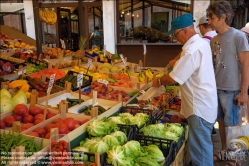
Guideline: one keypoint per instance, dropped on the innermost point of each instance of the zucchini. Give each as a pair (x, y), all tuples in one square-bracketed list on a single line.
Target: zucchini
[(83, 109), (74, 100), (100, 109)]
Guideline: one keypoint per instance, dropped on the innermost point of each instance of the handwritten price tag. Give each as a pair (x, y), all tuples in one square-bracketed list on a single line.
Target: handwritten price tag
[(122, 58), (51, 82), (89, 63), (63, 44), (144, 48), (79, 80), (103, 81)]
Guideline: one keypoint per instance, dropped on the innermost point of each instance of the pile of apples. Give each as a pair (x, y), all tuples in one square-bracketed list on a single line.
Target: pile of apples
[(29, 117), (64, 127), (3, 36)]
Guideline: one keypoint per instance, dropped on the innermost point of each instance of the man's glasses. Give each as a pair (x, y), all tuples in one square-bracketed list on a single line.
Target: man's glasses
[(175, 35)]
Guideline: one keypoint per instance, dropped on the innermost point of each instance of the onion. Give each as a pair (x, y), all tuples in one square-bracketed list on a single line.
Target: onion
[(8, 67)]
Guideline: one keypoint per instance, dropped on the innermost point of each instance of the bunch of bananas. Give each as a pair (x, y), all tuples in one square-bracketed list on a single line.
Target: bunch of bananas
[(160, 74), (141, 77), (149, 74), (48, 16), (126, 71)]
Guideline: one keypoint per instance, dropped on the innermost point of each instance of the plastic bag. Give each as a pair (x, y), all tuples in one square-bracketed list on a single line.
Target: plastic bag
[(152, 92)]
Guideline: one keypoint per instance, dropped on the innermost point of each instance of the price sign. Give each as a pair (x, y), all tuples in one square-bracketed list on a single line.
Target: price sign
[(51, 82), (142, 91), (89, 63), (102, 81), (104, 50), (63, 44), (122, 58), (79, 80), (144, 48)]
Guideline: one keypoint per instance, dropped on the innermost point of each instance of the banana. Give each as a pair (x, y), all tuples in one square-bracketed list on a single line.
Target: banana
[(150, 73), (150, 76), (160, 74)]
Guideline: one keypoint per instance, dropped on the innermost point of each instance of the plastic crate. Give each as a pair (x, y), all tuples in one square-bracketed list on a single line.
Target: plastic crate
[(179, 143), (124, 128), (36, 62), (166, 146), (73, 80)]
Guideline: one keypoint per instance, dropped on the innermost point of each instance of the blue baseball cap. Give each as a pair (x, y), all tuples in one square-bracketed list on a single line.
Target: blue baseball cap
[(181, 22)]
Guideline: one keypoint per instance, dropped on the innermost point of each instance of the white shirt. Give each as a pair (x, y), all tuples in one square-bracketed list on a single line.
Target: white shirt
[(195, 74), (211, 34)]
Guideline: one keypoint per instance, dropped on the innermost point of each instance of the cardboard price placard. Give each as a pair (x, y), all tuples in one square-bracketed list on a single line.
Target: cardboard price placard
[(122, 58), (142, 91), (51, 82), (144, 48), (79, 80), (102, 81), (90, 62), (63, 44)]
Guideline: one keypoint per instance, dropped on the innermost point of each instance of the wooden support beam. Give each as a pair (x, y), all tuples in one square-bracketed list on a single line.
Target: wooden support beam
[(38, 27)]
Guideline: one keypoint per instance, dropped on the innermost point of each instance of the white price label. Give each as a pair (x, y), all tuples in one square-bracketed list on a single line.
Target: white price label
[(89, 63), (144, 48), (51, 82), (102, 81), (122, 58), (104, 50), (79, 80), (63, 44), (142, 91)]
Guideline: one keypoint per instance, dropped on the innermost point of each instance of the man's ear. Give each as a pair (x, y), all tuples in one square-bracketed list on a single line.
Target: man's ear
[(223, 17)]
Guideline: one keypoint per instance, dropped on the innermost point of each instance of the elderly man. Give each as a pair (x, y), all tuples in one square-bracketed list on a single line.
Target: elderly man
[(195, 74)]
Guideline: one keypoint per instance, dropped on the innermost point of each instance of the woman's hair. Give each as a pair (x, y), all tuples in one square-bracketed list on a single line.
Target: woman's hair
[(222, 7)]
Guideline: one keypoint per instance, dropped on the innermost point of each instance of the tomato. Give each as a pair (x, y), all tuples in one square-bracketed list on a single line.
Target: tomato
[(2, 124), (64, 144), (63, 129), (28, 119), (35, 110), (47, 136), (9, 120), (50, 126), (54, 144), (37, 121), (20, 109), (35, 134), (18, 117), (40, 131), (39, 117), (49, 115), (58, 120), (26, 126), (84, 121), (70, 123)]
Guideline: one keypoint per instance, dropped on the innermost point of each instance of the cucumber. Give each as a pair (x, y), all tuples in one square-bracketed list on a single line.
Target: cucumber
[(83, 109), (74, 100), (100, 109)]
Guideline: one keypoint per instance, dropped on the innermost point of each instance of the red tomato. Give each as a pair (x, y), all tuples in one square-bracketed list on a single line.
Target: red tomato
[(35, 110), (58, 120), (84, 121), (18, 117), (20, 109), (2, 124), (49, 115), (35, 134), (37, 121), (28, 119), (49, 126), (39, 117), (26, 126), (9, 120), (70, 123), (47, 136), (63, 129), (40, 131)]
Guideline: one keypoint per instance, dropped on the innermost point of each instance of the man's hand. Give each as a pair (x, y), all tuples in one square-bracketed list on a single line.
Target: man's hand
[(242, 98), (156, 83)]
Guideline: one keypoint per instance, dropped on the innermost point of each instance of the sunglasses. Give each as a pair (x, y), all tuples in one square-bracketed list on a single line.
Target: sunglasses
[(175, 35)]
